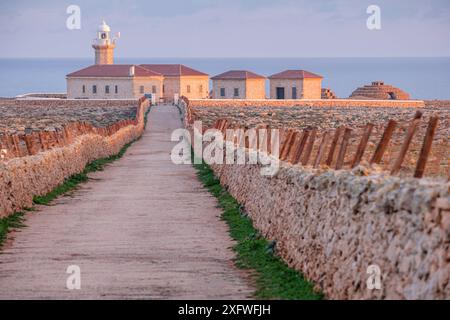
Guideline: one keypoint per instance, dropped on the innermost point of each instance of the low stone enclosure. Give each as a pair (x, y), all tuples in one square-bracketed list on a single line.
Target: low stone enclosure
[(339, 223), (33, 163), (379, 90)]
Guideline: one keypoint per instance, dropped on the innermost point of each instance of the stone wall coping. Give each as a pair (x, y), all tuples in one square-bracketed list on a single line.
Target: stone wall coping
[(308, 100)]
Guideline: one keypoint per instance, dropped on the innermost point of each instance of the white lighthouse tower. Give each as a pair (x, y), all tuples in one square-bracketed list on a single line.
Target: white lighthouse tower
[(104, 46)]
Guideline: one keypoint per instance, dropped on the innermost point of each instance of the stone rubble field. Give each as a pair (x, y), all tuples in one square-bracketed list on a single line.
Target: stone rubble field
[(320, 117), (24, 116), (329, 118)]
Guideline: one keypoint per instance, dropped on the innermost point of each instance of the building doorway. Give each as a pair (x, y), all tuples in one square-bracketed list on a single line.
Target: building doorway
[(280, 92)]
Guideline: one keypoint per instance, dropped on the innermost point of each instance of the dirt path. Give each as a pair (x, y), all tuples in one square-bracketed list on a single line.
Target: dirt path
[(145, 229)]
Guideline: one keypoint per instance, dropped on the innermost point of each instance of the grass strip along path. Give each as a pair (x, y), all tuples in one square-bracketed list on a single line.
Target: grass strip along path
[(274, 279)]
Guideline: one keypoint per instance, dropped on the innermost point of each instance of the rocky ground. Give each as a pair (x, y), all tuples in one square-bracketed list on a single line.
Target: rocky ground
[(323, 117), (49, 115), (326, 118)]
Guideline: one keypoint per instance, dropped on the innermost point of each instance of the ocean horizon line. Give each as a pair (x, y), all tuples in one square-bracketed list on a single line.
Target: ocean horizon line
[(293, 57), (422, 78)]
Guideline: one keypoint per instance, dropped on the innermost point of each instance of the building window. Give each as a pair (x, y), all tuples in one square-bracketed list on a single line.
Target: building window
[(188, 89), (94, 89), (294, 93), (153, 89), (116, 89), (84, 89), (164, 88), (200, 89), (107, 89), (222, 92), (236, 92), (141, 89)]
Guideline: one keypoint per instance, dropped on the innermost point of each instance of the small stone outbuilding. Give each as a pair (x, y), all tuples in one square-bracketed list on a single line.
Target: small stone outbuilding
[(239, 84), (295, 84), (379, 91)]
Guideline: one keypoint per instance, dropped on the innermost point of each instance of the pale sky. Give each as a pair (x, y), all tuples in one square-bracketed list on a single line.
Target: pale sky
[(229, 28)]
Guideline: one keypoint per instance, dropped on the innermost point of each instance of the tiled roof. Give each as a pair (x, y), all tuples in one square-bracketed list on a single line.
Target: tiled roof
[(173, 70), (237, 75), (113, 70), (294, 74)]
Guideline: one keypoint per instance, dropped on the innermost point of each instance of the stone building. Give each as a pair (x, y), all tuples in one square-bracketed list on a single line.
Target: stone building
[(379, 91), (295, 84), (113, 81), (239, 84), (106, 80), (181, 80)]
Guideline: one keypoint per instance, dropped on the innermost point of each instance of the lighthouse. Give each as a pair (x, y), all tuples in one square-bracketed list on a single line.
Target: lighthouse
[(106, 80), (103, 45)]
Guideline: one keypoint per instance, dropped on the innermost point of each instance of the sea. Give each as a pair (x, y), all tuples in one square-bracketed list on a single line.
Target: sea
[(422, 78)]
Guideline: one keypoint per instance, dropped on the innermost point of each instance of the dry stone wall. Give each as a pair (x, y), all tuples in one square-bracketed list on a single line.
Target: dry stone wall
[(24, 177), (332, 225)]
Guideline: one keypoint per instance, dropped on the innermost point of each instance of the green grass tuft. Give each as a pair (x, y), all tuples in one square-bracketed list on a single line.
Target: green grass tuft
[(13, 221), (274, 279), (73, 181)]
